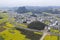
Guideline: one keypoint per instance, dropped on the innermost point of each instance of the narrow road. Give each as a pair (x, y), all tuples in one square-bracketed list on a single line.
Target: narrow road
[(43, 36)]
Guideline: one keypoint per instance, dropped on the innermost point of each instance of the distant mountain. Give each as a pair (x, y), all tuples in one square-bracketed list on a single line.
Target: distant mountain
[(49, 9), (34, 9), (22, 10), (8, 8)]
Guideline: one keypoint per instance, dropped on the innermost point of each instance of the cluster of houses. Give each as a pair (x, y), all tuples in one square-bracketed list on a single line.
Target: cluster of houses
[(28, 18)]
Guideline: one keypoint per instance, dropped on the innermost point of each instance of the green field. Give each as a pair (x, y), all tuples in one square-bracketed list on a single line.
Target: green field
[(8, 32)]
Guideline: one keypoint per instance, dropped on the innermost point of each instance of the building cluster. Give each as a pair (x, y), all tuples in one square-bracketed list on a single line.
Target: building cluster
[(28, 18)]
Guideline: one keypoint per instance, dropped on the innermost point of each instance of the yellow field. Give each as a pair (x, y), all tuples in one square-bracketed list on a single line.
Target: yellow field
[(10, 33), (51, 37)]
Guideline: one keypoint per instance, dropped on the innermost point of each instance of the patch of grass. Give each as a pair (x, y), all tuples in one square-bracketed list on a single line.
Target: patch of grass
[(1, 38), (51, 37)]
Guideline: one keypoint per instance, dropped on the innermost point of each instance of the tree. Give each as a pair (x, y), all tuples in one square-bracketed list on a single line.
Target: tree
[(4, 12), (1, 17)]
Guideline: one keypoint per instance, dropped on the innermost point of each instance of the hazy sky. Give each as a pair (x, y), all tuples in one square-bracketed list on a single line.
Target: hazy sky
[(12, 3)]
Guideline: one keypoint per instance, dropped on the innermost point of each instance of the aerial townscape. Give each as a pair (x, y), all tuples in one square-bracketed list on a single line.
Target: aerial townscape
[(30, 23)]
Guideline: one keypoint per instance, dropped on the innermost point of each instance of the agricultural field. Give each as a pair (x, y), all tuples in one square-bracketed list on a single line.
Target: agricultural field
[(8, 31)]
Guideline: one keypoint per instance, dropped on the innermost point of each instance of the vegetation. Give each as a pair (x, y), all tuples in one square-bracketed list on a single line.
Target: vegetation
[(8, 32), (1, 38), (12, 34), (51, 37), (37, 25), (4, 12), (47, 22)]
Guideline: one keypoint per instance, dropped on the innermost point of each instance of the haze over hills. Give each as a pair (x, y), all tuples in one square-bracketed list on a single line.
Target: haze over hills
[(38, 9), (34, 9)]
